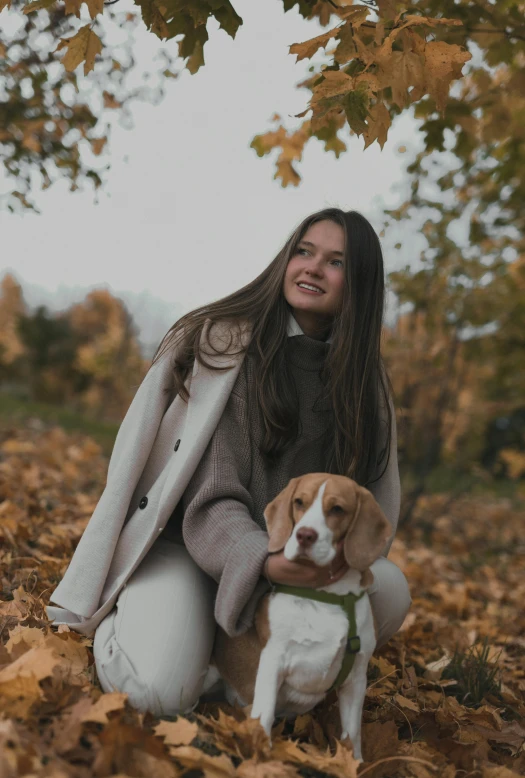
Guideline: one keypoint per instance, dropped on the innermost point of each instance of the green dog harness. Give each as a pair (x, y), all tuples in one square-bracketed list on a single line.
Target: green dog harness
[(347, 603)]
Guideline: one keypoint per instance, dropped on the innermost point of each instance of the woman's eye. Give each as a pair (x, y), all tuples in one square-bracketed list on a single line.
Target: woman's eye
[(306, 251)]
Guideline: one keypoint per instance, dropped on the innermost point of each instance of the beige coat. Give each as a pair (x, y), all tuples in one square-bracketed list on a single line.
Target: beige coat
[(157, 449)]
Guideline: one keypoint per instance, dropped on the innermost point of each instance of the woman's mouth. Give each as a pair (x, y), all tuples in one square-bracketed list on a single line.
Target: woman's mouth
[(307, 291)]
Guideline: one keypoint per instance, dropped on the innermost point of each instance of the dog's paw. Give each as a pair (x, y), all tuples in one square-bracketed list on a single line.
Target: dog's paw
[(212, 677), (265, 720), (347, 743)]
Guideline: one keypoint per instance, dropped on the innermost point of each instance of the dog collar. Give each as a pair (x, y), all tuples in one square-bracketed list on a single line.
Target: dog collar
[(347, 603)]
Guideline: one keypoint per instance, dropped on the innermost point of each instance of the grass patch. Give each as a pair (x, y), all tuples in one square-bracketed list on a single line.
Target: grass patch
[(445, 479), (476, 677), (14, 410)]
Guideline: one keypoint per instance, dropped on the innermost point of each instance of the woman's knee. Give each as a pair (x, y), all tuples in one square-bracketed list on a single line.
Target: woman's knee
[(156, 643), (390, 598), (162, 695), (178, 693)]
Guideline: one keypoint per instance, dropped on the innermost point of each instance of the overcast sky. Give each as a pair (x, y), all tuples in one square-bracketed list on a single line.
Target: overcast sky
[(189, 212)]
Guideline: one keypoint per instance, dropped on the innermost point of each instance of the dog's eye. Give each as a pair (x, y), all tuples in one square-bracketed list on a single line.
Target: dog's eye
[(337, 509), (298, 502)]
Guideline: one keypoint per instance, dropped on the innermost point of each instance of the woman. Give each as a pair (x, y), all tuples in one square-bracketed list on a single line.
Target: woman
[(311, 395)]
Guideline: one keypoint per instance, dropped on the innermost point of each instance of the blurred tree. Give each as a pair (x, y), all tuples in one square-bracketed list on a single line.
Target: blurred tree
[(12, 306), (458, 354), (108, 351), (87, 357), (503, 435), (470, 177), (48, 366), (45, 123)]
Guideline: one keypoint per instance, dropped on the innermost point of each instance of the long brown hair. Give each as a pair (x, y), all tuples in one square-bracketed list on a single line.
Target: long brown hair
[(353, 373)]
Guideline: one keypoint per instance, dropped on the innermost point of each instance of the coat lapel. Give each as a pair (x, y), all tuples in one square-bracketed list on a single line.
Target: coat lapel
[(210, 391), (80, 588), (119, 533)]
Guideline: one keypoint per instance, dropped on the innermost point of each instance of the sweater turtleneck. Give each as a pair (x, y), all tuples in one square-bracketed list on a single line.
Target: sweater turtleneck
[(306, 353)]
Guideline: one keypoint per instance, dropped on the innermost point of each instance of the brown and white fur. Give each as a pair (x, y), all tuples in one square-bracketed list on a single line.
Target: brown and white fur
[(286, 662)]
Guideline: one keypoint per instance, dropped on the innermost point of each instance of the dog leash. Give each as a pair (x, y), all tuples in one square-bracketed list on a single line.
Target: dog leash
[(347, 603)]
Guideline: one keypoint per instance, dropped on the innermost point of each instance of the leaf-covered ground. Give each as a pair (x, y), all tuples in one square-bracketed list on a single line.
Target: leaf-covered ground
[(427, 712)]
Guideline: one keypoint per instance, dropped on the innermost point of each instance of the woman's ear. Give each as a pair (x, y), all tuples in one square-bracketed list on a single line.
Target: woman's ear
[(368, 533), (279, 517)]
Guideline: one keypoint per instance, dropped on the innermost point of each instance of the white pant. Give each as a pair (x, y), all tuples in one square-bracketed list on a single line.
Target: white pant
[(155, 644)]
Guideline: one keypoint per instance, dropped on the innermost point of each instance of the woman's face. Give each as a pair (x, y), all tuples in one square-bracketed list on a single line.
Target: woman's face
[(319, 261)]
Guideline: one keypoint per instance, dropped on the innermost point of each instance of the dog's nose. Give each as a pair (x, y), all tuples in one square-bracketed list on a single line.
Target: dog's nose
[(306, 536)]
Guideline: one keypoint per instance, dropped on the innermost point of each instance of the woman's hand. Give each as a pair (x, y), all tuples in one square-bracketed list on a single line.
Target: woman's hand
[(303, 572)]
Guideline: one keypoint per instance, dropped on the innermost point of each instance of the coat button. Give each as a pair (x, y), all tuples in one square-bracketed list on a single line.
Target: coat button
[(143, 502), (177, 444)]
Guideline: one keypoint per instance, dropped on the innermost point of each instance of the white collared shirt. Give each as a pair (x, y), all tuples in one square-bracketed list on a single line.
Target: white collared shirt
[(295, 329)]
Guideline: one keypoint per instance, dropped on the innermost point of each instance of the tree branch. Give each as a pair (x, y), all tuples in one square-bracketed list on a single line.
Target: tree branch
[(454, 29)]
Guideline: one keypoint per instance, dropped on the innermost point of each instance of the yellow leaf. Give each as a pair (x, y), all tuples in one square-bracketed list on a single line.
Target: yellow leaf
[(355, 15), (245, 739), (18, 694), (82, 47), (334, 82), (342, 764), (401, 70), (378, 121), (307, 49), (104, 705), (38, 662), (21, 639), (177, 733), (95, 7), (386, 668), (287, 173), (73, 7), (443, 64)]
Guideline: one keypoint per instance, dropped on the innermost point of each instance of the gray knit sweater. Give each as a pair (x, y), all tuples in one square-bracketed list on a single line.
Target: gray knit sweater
[(224, 528)]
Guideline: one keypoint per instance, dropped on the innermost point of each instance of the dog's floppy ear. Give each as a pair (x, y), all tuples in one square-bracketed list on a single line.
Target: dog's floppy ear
[(367, 579), (279, 517), (368, 533)]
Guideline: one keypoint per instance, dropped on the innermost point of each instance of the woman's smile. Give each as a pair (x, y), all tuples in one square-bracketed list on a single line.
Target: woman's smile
[(308, 291)]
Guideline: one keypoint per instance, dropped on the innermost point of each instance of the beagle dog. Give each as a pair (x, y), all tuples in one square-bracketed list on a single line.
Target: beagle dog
[(294, 651)]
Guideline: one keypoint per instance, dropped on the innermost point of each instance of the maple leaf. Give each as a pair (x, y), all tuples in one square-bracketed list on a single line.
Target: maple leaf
[(177, 733), (82, 47)]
